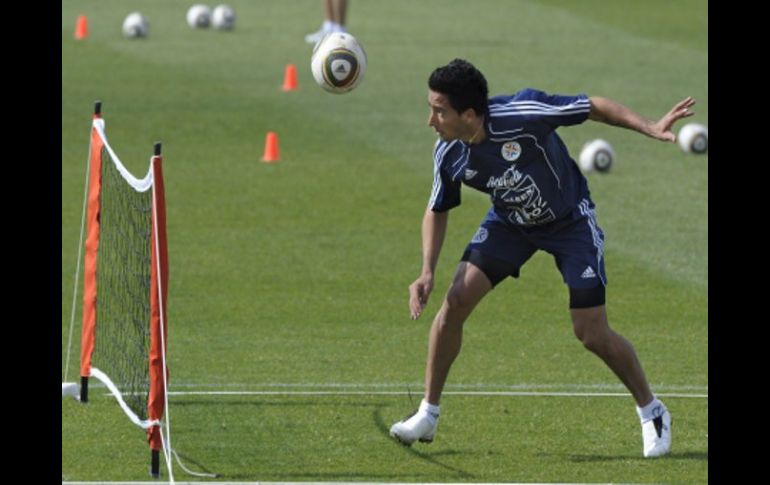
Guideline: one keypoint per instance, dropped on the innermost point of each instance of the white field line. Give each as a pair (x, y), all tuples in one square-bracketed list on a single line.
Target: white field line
[(402, 389), (418, 385), (301, 483), (180, 388), (404, 393)]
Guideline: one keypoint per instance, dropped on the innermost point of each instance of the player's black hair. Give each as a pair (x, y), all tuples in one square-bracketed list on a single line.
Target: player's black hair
[(462, 84)]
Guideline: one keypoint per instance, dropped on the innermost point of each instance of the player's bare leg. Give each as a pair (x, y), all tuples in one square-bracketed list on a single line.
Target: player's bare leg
[(593, 330), (468, 288)]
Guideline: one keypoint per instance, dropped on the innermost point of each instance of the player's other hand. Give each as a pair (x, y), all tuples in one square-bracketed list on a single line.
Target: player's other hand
[(662, 128), (419, 291)]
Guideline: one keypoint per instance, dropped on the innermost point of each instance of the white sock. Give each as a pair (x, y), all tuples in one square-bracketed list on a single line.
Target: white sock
[(328, 26), (651, 410), (335, 27), (431, 410)]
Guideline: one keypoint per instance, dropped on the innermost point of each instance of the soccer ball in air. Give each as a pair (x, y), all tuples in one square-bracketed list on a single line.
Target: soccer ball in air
[(694, 138), (199, 16), (596, 155), (223, 17), (136, 25), (338, 62)]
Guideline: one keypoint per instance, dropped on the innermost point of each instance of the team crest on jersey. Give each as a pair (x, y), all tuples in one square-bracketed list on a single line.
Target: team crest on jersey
[(511, 151)]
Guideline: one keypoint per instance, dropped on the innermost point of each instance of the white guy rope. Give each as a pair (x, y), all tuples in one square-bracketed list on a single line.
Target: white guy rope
[(190, 472), (77, 264), (166, 455)]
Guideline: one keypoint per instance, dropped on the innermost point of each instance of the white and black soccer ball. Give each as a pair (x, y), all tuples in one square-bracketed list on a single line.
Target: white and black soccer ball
[(135, 26), (223, 17), (694, 138), (338, 62), (199, 16), (596, 155)]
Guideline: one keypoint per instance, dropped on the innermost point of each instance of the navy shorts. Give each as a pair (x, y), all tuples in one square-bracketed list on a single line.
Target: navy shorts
[(575, 241)]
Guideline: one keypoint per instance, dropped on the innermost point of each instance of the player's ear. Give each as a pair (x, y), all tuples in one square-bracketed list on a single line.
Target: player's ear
[(468, 115)]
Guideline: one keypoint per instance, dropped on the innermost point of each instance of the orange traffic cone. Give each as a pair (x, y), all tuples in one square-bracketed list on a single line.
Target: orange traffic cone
[(290, 78), (271, 148), (81, 27)]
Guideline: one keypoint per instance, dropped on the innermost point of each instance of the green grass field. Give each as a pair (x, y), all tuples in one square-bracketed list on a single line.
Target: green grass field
[(293, 276)]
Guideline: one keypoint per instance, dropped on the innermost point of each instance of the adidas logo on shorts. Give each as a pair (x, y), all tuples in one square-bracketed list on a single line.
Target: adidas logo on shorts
[(588, 273)]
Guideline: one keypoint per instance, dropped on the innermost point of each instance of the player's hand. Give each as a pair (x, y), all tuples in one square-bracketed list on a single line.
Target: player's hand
[(419, 291), (662, 128)]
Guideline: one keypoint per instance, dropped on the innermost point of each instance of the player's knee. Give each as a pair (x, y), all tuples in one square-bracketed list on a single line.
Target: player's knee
[(591, 331), (591, 341), (456, 298)]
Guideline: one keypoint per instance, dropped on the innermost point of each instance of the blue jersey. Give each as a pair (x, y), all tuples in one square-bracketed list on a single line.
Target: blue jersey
[(522, 164)]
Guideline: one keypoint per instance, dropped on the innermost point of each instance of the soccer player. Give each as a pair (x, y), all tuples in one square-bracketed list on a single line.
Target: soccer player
[(507, 147)]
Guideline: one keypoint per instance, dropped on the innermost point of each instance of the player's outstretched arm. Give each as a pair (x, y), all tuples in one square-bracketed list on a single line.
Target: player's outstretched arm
[(611, 112)]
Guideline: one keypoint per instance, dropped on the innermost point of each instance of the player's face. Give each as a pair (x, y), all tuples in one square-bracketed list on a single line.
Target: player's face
[(444, 120)]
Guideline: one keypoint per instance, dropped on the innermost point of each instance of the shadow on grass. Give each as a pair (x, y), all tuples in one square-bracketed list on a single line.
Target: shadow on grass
[(331, 476), (689, 455), (428, 457), (379, 422), (262, 401)]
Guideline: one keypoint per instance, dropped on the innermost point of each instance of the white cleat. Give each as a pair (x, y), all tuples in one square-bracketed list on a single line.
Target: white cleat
[(316, 36), (419, 426), (656, 434)]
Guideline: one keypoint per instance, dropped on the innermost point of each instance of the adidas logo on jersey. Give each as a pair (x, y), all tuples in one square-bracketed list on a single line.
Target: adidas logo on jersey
[(469, 174), (588, 273)]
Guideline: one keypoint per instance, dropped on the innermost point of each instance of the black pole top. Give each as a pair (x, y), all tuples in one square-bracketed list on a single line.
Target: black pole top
[(157, 148), (98, 108)]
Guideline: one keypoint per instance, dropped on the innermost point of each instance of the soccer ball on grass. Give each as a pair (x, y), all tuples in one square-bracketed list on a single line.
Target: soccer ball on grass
[(223, 17), (694, 138), (136, 25), (199, 16), (596, 155), (338, 62)]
